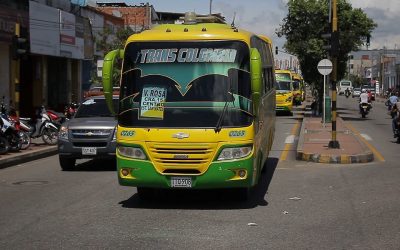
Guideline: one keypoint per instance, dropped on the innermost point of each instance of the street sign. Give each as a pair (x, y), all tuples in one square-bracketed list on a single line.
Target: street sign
[(324, 67)]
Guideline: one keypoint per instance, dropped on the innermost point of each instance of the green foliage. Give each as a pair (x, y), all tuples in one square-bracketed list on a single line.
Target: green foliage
[(108, 41), (307, 20), (357, 81)]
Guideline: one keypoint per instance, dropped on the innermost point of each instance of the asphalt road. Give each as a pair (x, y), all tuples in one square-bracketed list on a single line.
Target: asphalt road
[(298, 205)]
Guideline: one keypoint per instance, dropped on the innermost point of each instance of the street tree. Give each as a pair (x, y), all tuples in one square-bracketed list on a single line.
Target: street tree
[(108, 40), (308, 20)]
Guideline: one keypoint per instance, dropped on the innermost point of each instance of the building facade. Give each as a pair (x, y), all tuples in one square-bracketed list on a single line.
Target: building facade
[(376, 66), (137, 17)]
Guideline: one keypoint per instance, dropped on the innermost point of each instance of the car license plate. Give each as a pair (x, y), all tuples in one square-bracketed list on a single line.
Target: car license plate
[(89, 151), (184, 182)]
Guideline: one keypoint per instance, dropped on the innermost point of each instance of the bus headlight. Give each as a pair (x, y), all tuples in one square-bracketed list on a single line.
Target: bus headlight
[(131, 152), (63, 134), (234, 153)]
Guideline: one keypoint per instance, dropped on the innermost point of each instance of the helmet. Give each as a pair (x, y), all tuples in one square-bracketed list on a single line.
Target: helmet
[(369, 91), (363, 91)]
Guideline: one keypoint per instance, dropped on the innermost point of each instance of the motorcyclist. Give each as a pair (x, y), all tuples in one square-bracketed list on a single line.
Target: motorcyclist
[(396, 109), (364, 98), (347, 92), (393, 99)]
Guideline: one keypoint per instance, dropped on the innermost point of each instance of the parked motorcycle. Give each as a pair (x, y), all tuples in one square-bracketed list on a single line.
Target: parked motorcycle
[(42, 126), (10, 129), (12, 136), (56, 118), (4, 146), (70, 110), (22, 130)]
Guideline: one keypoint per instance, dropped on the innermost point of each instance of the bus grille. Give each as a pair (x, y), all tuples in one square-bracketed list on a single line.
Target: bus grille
[(181, 158)]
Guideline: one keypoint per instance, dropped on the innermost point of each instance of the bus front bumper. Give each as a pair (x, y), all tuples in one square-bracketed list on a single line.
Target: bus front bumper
[(225, 174), (287, 107)]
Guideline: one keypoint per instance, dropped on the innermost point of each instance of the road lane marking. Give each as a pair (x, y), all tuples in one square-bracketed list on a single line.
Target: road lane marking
[(290, 139), (372, 148), (366, 137), (289, 145)]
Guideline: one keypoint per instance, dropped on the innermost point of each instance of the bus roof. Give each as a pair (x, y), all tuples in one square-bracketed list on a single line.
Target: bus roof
[(193, 31), (283, 71), (201, 31)]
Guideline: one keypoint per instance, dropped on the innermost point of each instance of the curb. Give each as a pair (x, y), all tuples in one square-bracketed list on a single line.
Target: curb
[(30, 156), (366, 157)]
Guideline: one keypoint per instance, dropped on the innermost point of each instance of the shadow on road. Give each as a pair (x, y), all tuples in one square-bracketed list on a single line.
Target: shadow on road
[(96, 165), (207, 199)]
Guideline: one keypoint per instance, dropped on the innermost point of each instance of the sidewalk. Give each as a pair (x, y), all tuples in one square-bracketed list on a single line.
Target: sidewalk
[(38, 149), (314, 139)]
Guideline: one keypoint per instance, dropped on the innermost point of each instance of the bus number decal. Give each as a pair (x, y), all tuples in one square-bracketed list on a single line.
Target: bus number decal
[(237, 133), (127, 133)]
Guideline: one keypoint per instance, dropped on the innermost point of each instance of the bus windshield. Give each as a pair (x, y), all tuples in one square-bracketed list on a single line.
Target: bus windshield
[(296, 85), (283, 86), (283, 82), (185, 84)]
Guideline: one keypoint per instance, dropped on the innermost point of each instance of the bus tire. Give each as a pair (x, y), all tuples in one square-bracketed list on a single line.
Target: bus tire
[(242, 194), (67, 164), (145, 193)]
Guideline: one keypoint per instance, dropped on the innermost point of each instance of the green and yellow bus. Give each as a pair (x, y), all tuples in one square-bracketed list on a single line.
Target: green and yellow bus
[(197, 107), (298, 88), (284, 90)]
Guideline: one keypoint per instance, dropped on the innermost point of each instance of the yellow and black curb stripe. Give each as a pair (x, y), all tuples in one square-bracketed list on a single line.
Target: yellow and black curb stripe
[(367, 156)]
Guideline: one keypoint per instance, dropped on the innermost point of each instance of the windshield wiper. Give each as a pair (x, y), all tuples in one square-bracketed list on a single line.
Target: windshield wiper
[(218, 127)]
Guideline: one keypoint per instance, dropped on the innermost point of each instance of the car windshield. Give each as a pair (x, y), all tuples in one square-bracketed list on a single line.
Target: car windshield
[(94, 107), (185, 84)]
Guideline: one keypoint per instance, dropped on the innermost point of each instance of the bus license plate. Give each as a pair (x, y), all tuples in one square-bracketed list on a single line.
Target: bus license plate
[(185, 182), (89, 151)]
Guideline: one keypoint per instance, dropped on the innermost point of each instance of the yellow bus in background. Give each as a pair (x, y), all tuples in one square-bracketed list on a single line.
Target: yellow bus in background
[(284, 90), (298, 88), (197, 107)]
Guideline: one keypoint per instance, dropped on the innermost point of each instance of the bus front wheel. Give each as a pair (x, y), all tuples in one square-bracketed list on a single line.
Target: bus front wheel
[(145, 193)]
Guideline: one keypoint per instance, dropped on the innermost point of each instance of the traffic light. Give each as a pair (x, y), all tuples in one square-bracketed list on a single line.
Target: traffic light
[(368, 40), (333, 43), (19, 47)]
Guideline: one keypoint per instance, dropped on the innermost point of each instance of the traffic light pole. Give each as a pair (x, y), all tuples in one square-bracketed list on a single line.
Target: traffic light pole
[(334, 143), (17, 74)]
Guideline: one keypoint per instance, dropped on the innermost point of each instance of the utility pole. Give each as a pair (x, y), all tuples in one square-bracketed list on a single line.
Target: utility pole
[(17, 73), (210, 7), (334, 51)]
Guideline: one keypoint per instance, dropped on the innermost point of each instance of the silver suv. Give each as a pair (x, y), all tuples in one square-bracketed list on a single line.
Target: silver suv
[(90, 134)]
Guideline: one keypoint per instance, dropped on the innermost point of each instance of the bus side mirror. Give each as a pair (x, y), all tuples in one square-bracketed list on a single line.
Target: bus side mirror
[(108, 72), (256, 77)]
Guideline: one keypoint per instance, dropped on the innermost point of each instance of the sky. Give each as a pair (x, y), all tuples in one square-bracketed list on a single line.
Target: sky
[(265, 16)]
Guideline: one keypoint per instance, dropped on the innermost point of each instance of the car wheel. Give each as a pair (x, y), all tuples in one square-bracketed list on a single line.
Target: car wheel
[(67, 164)]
